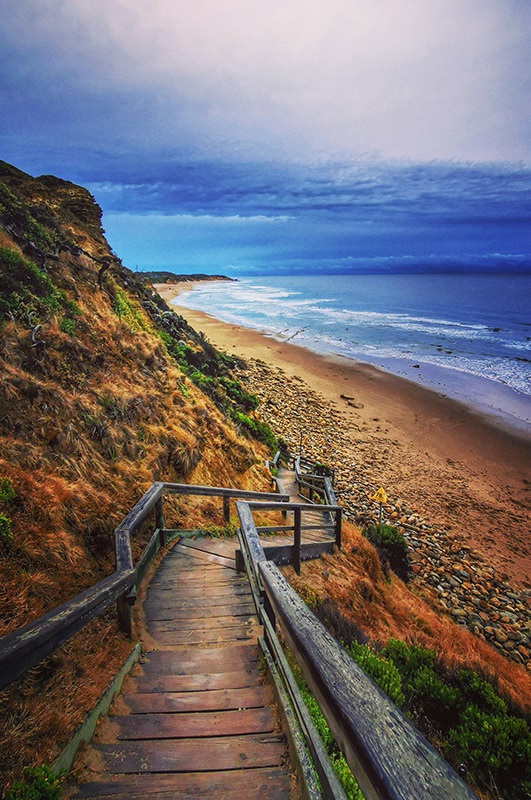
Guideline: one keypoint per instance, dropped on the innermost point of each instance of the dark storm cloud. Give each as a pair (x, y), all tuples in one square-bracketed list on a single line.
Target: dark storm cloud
[(280, 135)]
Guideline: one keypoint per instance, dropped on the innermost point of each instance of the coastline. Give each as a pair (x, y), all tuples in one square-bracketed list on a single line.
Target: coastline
[(462, 469)]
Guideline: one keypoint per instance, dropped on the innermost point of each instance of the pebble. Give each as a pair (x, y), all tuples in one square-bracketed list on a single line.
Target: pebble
[(460, 582)]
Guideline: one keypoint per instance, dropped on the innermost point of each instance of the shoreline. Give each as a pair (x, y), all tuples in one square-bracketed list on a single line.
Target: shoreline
[(491, 396), (464, 470)]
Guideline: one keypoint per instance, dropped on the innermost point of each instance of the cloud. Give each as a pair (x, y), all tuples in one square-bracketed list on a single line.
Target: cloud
[(445, 193), (423, 79), (277, 135)]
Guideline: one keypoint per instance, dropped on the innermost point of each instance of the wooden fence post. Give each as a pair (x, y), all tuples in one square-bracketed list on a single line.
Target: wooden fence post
[(338, 527), (159, 515), (123, 609), (297, 519), (226, 509)]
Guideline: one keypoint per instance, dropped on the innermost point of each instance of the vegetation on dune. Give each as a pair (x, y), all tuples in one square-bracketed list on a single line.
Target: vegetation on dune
[(468, 700), (38, 783), (391, 548), (103, 389)]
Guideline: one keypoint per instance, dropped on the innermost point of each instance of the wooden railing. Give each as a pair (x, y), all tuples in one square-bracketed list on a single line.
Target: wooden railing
[(389, 758), (320, 485), (296, 552), (27, 646)]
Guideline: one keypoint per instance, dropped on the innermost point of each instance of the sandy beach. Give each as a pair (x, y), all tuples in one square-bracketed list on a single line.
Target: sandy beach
[(458, 468)]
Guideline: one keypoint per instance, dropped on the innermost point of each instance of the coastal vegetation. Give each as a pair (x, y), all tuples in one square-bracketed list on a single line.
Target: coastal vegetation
[(103, 389), (473, 705)]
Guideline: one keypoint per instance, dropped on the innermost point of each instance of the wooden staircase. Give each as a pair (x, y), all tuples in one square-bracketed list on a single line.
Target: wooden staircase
[(311, 517), (195, 718)]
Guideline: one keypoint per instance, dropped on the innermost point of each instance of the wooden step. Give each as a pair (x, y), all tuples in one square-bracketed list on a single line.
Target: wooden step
[(195, 719), (194, 755), (270, 783), (186, 725)]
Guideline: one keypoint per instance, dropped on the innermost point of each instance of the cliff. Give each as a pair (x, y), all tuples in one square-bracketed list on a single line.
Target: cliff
[(103, 389)]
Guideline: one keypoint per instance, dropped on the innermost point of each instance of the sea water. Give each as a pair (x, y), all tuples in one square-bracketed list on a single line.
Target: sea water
[(466, 336)]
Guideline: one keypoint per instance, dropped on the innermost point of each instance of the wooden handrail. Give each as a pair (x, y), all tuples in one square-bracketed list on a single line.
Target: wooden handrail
[(298, 509), (25, 647), (390, 759)]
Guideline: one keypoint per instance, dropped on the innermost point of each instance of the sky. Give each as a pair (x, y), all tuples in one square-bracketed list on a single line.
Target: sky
[(267, 136)]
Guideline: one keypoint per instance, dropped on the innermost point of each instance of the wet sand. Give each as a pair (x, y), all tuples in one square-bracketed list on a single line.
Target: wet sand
[(460, 468)]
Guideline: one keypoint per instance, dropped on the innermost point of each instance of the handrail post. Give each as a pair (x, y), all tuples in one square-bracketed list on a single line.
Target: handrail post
[(297, 519), (123, 609), (159, 518), (226, 509), (338, 527)]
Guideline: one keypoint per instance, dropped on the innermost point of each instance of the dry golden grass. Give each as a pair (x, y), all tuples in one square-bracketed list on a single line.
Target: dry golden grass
[(40, 712), (87, 422), (389, 609)]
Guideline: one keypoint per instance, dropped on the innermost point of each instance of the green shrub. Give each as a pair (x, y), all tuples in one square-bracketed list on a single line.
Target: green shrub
[(6, 535), (467, 715), (340, 766), (25, 288), (38, 783), (67, 325), (495, 749), (481, 693), (392, 548), (383, 672), (408, 658), (7, 493), (203, 382), (236, 392), (258, 430), (435, 700), (128, 312), (15, 212), (227, 531)]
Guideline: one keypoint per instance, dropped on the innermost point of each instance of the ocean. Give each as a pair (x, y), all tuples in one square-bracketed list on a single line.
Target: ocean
[(465, 336)]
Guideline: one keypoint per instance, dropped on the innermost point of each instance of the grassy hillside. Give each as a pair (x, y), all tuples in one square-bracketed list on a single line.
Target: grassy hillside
[(103, 389)]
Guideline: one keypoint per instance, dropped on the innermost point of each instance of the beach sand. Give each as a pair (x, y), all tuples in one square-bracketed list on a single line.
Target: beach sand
[(460, 469)]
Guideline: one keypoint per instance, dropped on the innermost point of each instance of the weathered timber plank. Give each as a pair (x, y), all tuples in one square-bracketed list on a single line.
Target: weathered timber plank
[(163, 682), (214, 700), (190, 591), (209, 636), (152, 604), (205, 555), (200, 557), (204, 623), (249, 531), (220, 491), (176, 579), (194, 755), (202, 661), (140, 511), (267, 783), (189, 725), (201, 612)]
